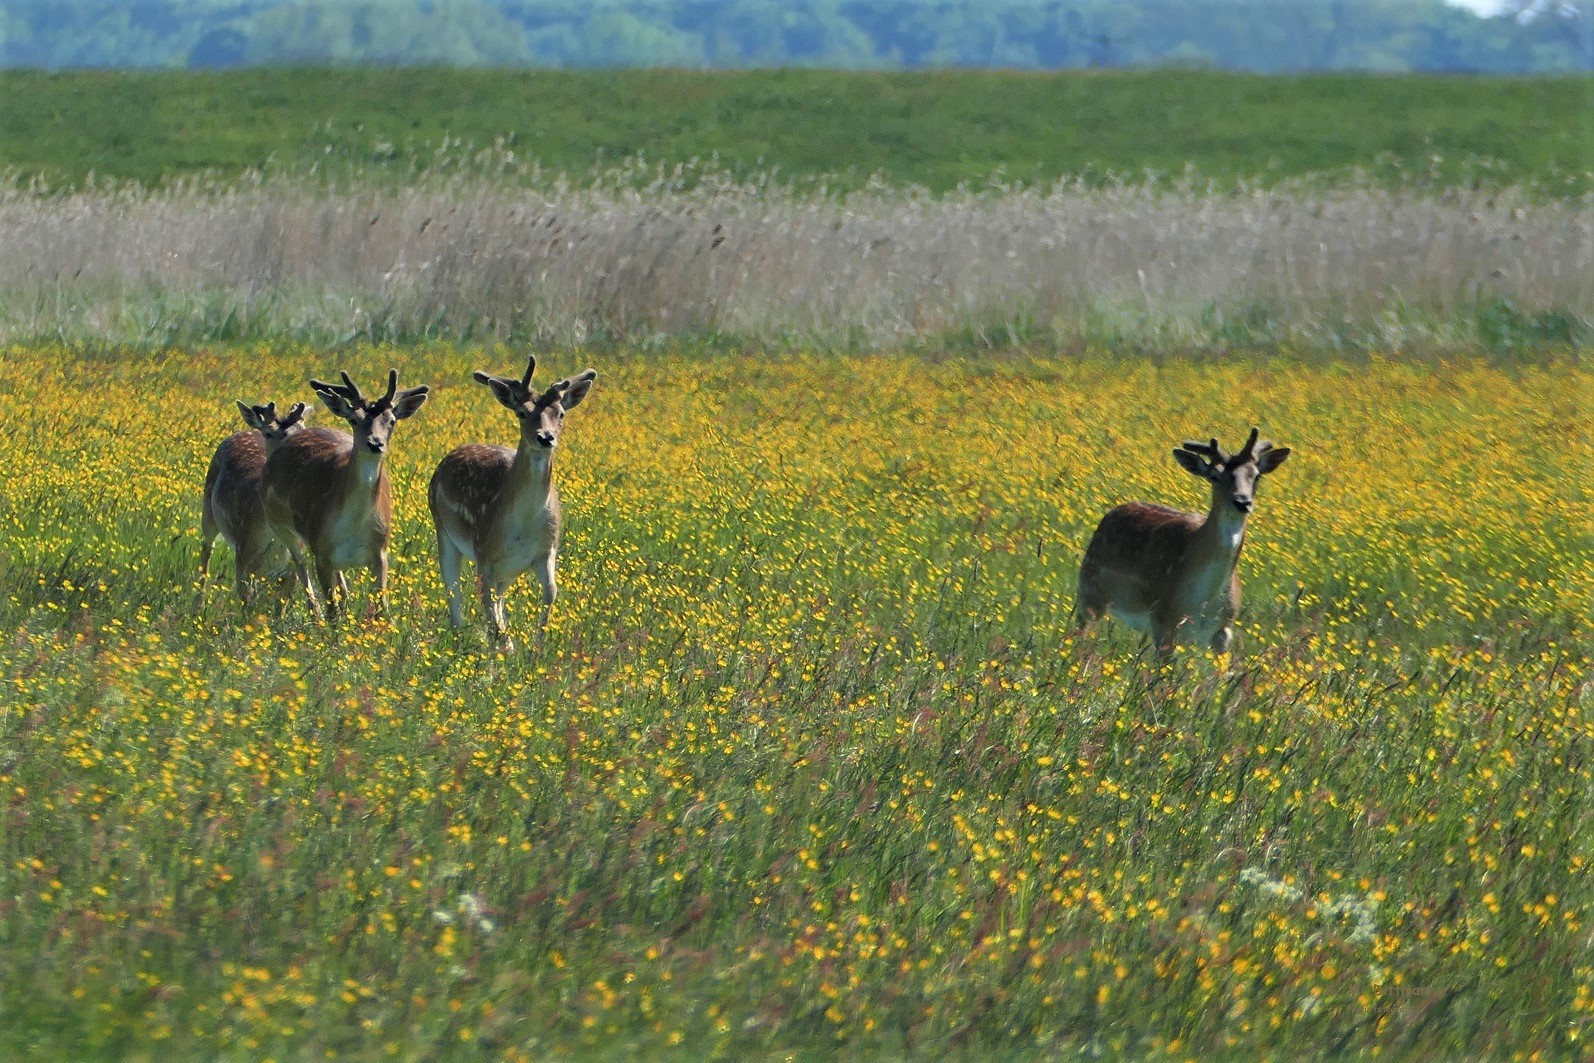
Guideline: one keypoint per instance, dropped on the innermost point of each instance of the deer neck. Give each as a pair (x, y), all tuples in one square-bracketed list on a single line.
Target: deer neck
[(531, 475), (364, 472), (1222, 533)]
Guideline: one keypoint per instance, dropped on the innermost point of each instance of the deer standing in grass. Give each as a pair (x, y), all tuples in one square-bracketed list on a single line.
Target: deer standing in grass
[(1172, 574), (327, 496), (498, 507), (232, 503)]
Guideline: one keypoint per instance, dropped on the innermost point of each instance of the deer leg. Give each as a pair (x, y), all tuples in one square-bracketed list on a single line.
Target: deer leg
[(379, 572), (241, 582), (544, 569), (207, 540), (492, 596), (301, 567), (249, 565), (448, 562), (1163, 639), (333, 587)]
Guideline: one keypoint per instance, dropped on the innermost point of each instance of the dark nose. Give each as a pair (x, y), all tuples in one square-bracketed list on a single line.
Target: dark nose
[(1242, 504), (545, 438), (376, 445)]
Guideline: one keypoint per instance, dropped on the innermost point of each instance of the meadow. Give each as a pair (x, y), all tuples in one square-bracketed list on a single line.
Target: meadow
[(811, 763)]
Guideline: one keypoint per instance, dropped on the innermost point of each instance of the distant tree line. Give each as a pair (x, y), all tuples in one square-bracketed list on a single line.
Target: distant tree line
[(1530, 36)]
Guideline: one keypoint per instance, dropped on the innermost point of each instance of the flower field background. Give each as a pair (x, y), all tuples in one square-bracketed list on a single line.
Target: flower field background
[(811, 761)]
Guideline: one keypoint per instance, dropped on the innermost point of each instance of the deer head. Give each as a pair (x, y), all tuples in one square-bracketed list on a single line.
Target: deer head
[(542, 415), (273, 429), (371, 420), (1233, 476)]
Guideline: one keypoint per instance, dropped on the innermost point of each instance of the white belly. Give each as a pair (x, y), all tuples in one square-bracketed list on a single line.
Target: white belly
[(1138, 619), (466, 549)]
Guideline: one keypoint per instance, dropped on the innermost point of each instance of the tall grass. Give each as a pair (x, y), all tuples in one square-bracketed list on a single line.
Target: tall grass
[(692, 254)]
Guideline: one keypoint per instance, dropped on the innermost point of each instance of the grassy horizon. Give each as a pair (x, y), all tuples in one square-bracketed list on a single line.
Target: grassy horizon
[(936, 129)]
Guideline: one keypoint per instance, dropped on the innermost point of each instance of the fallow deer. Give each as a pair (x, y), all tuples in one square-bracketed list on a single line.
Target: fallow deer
[(232, 503), (327, 497), (498, 507), (1174, 574)]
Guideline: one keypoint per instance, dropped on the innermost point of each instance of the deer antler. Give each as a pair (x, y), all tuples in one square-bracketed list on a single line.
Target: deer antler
[(350, 388), (392, 387), (531, 367), (1249, 450), (1211, 451)]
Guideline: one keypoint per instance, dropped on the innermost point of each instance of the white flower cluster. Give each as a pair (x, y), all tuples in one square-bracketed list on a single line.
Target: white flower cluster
[(471, 913)]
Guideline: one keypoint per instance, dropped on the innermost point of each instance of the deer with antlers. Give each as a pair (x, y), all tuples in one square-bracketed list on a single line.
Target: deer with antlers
[(1172, 574), (327, 496), (232, 501), (498, 506)]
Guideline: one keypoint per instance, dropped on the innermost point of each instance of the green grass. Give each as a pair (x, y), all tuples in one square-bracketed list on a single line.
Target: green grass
[(934, 129), (810, 765)]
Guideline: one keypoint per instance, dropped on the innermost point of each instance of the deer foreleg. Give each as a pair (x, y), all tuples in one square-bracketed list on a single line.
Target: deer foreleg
[(333, 587), (379, 571), (492, 597), (544, 569)]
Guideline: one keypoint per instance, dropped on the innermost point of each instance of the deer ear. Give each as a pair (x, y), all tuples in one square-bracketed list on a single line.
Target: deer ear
[(409, 400), (503, 390), (333, 400), (1271, 458), (249, 414), (1194, 464), (580, 384)]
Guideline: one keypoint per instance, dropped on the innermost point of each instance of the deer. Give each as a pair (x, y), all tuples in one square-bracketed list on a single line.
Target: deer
[(498, 506), (232, 500), (326, 493), (1171, 574)]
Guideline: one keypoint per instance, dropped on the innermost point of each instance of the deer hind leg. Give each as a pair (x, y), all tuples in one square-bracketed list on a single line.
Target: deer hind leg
[(449, 559), (297, 550), (1164, 637), (1089, 603), (208, 531), (246, 564)]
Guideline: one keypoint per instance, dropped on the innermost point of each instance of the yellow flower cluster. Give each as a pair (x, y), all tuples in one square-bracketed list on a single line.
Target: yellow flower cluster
[(810, 757)]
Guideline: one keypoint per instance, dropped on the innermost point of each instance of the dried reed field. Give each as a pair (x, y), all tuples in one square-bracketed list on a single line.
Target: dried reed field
[(1160, 266)]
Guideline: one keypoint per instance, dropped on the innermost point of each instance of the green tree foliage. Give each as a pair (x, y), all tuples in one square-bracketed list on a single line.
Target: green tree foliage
[(1530, 36)]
